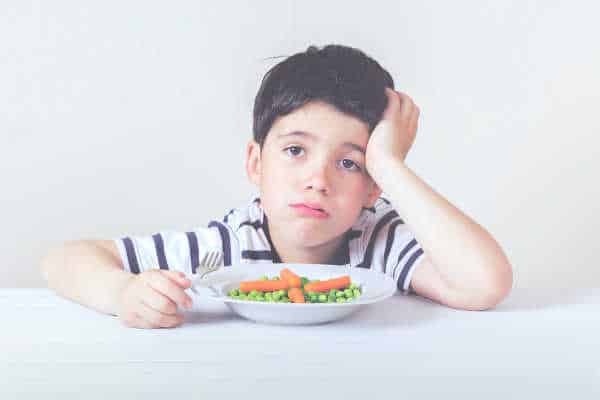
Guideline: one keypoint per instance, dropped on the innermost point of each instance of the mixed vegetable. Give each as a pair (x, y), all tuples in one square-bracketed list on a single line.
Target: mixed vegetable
[(291, 288)]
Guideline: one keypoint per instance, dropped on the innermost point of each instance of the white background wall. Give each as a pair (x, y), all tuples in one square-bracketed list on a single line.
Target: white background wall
[(130, 117)]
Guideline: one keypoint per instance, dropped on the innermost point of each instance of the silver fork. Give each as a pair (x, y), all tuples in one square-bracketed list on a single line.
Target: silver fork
[(211, 262)]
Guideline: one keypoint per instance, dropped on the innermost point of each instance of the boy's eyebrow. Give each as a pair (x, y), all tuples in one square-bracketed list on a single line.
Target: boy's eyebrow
[(309, 135)]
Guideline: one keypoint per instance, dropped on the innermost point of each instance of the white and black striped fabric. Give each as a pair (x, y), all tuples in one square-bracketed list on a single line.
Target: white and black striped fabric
[(379, 240)]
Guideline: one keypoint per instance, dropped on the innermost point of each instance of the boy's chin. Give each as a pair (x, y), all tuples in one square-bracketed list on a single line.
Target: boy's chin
[(311, 237)]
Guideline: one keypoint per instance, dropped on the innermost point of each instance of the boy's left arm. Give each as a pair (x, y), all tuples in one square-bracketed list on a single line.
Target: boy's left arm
[(464, 267)]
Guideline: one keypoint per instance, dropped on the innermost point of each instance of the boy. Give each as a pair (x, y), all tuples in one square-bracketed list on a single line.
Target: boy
[(330, 134)]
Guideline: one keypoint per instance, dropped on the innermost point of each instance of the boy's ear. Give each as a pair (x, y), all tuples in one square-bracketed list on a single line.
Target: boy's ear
[(373, 195), (253, 162)]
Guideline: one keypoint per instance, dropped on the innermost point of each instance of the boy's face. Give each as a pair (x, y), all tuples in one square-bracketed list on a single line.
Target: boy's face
[(313, 156)]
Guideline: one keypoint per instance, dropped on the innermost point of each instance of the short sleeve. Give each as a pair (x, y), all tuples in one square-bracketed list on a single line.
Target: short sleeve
[(389, 246), (403, 258), (402, 254), (169, 250)]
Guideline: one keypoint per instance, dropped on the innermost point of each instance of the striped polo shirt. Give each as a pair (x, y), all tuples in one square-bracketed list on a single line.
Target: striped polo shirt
[(379, 240)]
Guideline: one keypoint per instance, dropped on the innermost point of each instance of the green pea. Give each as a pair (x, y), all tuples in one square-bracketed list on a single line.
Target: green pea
[(276, 296), (254, 293), (339, 294), (348, 293), (243, 296), (322, 298), (340, 300), (356, 292), (268, 296), (353, 286)]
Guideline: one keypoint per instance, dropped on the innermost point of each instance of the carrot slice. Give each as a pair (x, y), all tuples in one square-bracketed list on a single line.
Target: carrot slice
[(263, 286), (296, 296), (324, 286), (292, 279)]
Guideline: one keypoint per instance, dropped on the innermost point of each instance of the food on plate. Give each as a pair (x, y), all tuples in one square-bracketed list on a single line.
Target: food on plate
[(263, 285), (289, 287), (296, 295), (325, 286), (291, 278)]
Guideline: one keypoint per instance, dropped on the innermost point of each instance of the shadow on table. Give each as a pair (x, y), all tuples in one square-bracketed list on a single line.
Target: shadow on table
[(209, 311), (415, 310), (209, 317), (398, 311), (410, 310), (545, 299)]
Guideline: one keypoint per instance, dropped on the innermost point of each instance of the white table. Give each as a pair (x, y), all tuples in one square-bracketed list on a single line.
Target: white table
[(537, 344)]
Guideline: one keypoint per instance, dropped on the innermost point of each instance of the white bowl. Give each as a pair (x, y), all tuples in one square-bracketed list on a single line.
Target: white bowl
[(374, 286)]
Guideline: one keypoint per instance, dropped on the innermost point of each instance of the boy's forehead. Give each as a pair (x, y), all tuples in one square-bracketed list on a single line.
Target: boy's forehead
[(318, 120)]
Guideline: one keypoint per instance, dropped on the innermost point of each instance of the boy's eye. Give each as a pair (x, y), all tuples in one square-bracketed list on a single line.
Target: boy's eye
[(350, 165), (294, 150)]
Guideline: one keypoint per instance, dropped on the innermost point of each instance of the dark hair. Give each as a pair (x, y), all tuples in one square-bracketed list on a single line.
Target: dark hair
[(341, 76)]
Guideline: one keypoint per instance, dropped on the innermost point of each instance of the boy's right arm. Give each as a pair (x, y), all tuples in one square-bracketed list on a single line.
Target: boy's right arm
[(90, 272)]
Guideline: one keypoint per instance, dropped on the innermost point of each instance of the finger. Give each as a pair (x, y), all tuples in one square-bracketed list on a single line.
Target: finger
[(157, 319), (157, 300), (412, 127), (393, 103), (139, 322), (133, 320), (167, 287), (414, 118), (407, 105), (177, 277)]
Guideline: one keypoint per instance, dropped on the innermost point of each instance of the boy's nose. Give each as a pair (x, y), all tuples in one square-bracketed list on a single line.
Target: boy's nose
[(319, 181)]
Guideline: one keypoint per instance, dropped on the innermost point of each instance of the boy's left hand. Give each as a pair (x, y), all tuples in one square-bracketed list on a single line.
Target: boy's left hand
[(395, 133)]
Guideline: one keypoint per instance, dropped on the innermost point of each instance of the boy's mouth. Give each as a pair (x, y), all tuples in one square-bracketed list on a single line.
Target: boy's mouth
[(310, 209)]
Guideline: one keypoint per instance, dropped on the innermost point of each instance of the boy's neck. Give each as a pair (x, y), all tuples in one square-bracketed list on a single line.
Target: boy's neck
[(326, 253)]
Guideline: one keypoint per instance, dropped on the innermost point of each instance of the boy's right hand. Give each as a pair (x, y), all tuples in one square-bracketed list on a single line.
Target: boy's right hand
[(150, 299)]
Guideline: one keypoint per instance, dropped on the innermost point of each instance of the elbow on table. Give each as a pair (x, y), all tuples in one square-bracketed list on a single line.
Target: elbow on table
[(495, 292)]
